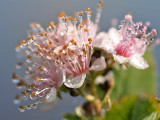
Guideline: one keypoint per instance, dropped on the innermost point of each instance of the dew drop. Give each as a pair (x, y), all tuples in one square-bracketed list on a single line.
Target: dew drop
[(34, 106)]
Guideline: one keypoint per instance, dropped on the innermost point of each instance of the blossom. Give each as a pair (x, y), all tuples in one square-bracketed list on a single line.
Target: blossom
[(60, 54), (129, 43), (75, 39)]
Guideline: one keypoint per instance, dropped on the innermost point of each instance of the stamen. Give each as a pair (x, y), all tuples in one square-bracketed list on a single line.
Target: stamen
[(22, 108)]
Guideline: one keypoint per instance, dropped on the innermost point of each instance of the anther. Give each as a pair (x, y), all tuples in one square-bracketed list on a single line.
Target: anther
[(48, 46), (85, 30), (50, 54), (50, 42), (37, 53), (87, 9), (90, 39), (84, 22), (22, 108), (69, 18), (81, 26), (24, 93), (85, 52), (72, 52), (15, 78), (65, 46), (75, 43), (33, 93), (100, 4), (89, 13), (37, 79), (61, 14), (41, 67), (60, 50), (81, 13), (29, 56), (74, 19), (72, 41), (87, 45)]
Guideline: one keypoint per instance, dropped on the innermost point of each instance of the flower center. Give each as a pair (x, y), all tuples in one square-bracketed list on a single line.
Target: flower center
[(125, 49)]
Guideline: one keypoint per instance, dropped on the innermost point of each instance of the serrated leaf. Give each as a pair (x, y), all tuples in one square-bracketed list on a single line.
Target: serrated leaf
[(132, 108), (153, 116)]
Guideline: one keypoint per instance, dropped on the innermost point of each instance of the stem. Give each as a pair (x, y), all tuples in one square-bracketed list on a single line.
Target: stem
[(96, 102), (107, 96)]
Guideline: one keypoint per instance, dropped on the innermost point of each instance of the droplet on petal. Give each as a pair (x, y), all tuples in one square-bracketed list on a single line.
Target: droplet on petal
[(75, 82)]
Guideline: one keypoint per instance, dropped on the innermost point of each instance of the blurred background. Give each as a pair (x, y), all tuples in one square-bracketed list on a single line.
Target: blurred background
[(15, 17)]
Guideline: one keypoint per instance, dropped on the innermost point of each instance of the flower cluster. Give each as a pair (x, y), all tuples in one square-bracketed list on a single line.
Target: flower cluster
[(62, 53)]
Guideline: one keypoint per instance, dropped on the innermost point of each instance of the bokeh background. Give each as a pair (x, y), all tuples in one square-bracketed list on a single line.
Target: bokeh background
[(15, 17)]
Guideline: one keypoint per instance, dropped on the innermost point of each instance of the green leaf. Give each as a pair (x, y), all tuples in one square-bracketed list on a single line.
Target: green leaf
[(132, 108), (135, 81), (153, 116), (71, 117)]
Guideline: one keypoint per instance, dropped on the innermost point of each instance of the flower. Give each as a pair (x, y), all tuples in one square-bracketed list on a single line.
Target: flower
[(75, 39), (129, 43), (60, 54), (41, 78)]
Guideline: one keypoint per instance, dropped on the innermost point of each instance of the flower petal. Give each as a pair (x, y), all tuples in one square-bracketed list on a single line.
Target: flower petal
[(99, 38), (114, 35), (120, 59), (52, 95), (75, 82), (110, 40), (139, 62), (99, 64)]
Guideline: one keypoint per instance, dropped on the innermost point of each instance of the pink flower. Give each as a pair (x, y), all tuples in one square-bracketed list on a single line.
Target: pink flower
[(74, 56), (60, 54), (129, 43)]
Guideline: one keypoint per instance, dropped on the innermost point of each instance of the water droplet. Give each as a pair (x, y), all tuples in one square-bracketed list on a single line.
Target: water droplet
[(34, 106)]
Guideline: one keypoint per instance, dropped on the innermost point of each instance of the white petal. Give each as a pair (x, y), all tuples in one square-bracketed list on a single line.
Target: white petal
[(99, 38), (111, 40), (114, 35), (98, 64), (75, 82), (51, 96), (120, 59), (139, 62)]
